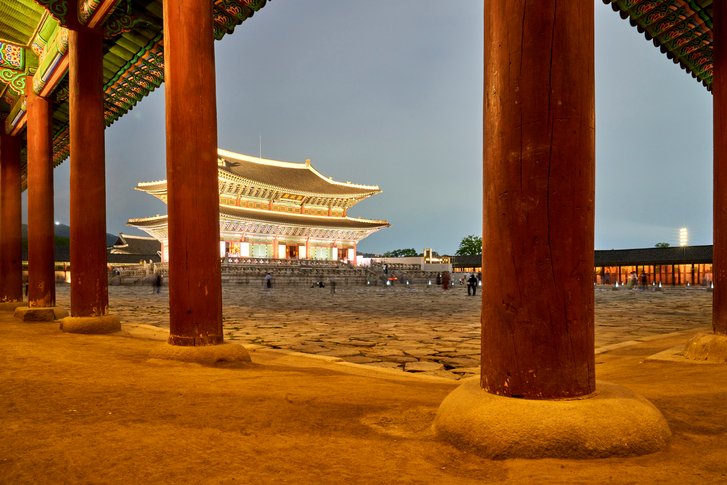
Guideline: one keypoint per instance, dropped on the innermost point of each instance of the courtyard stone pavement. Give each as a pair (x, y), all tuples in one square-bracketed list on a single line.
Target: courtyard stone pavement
[(414, 329)]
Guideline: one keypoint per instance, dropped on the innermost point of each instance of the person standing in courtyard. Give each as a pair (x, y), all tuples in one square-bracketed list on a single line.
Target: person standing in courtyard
[(157, 283), (268, 281), (445, 280), (472, 285)]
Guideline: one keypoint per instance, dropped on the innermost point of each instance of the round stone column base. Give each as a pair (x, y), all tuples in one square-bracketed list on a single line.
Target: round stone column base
[(39, 313), (709, 347), (91, 325), (10, 306), (220, 355), (613, 422)]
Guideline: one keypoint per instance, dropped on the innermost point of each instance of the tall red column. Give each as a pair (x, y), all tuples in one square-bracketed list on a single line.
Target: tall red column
[(41, 258), (719, 221), (11, 266), (89, 280), (539, 185), (195, 288)]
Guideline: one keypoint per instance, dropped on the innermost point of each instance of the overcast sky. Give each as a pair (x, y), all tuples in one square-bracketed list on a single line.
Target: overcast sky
[(389, 93)]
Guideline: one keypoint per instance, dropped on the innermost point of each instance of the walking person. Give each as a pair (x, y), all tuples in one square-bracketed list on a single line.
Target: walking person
[(472, 285), (268, 281)]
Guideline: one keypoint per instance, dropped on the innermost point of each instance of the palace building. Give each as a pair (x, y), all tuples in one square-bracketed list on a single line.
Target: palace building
[(277, 210)]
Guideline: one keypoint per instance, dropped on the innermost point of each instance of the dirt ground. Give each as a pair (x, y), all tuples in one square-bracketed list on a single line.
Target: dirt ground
[(97, 409)]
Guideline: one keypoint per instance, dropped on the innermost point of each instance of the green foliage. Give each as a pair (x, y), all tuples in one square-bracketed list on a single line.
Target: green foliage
[(401, 253), (62, 241), (470, 246), (661, 245)]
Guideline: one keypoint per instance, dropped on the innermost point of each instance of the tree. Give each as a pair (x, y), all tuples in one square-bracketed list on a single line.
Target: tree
[(470, 246), (661, 245), (401, 253)]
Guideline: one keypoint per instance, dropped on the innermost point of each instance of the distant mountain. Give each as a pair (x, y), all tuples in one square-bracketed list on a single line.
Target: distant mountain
[(62, 241)]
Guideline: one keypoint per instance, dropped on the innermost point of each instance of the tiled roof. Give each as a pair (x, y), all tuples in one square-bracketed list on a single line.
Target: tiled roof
[(227, 212), (112, 258), (681, 29), (298, 177), (469, 261), (671, 255), (135, 245), (628, 257)]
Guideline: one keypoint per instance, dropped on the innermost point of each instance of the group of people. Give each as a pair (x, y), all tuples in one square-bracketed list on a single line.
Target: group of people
[(473, 282), (641, 281)]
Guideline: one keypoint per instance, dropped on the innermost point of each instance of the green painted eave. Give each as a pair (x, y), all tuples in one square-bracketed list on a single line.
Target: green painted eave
[(681, 29), (19, 20), (133, 64)]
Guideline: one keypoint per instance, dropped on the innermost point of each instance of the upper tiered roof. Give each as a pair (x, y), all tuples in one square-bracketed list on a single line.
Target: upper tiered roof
[(301, 179), (294, 177)]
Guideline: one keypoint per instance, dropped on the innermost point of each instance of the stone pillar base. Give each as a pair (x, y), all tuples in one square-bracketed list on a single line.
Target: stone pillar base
[(10, 306), (91, 325), (39, 314), (221, 355), (612, 422), (707, 347)]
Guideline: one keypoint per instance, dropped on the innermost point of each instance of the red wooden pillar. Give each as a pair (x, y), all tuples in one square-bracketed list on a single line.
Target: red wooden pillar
[(719, 106), (41, 258), (195, 288), (11, 266), (539, 185), (89, 280)]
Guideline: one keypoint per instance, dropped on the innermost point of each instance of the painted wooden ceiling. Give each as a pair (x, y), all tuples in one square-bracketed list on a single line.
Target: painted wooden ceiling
[(34, 42)]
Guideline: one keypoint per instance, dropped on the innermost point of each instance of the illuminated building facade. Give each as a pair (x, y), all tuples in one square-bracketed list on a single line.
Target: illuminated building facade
[(277, 210), (675, 266)]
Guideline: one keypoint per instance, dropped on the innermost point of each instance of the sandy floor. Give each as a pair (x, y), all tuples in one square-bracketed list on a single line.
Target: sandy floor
[(97, 409)]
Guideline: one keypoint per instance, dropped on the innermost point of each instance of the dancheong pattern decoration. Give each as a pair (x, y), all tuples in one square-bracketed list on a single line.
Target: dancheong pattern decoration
[(230, 13), (12, 56), (57, 8), (134, 50), (125, 19), (86, 9), (681, 29), (14, 79), (12, 65), (143, 74)]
